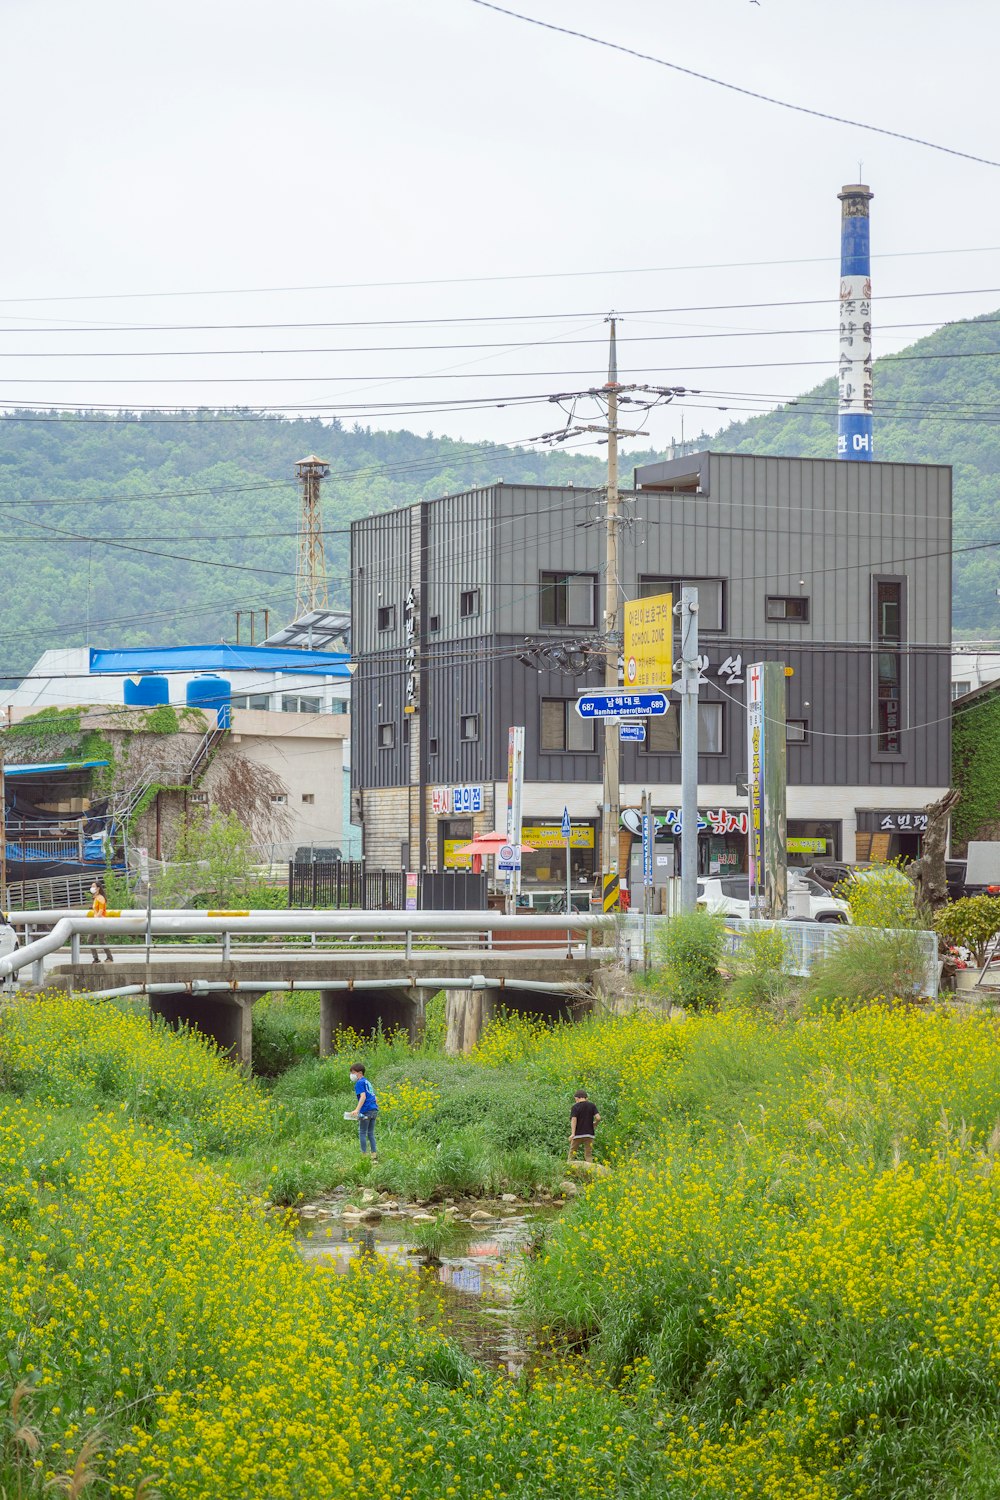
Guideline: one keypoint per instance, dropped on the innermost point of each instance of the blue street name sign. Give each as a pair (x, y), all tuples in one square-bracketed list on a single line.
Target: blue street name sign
[(621, 705), (631, 731)]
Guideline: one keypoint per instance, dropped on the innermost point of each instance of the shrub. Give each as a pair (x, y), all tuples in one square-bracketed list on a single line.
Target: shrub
[(881, 897), (973, 922), (690, 951), (761, 978), (867, 965)]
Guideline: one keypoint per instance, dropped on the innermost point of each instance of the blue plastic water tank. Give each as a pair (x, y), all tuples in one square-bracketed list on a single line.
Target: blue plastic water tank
[(148, 691), (211, 694)]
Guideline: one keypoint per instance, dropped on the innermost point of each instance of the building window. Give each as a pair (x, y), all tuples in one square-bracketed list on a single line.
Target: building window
[(252, 700), (468, 603), (470, 726), (292, 703), (567, 599), (387, 617), (434, 623), (562, 728), (279, 800), (386, 736), (786, 607), (309, 797), (711, 597), (888, 605), (663, 732), (406, 729), (432, 745), (796, 731), (959, 689)]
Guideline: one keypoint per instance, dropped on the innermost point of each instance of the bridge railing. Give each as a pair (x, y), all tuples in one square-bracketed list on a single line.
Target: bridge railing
[(400, 931)]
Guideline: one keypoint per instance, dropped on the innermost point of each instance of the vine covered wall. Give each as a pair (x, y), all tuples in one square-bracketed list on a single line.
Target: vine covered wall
[(976, 770)]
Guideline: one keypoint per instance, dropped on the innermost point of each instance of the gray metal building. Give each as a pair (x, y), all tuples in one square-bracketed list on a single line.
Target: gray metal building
[(481, 610)]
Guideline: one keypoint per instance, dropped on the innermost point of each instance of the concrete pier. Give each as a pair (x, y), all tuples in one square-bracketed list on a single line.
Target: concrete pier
[(228, 1021)]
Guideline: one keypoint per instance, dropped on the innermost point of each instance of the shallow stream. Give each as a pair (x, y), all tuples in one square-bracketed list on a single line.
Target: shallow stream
[(477, 1282)]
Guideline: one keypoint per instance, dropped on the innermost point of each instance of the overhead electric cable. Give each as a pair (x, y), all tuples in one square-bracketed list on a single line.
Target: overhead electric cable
[(736, 88)]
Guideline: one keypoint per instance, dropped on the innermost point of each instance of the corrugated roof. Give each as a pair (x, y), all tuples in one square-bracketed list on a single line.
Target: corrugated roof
[(133, 661), (39, 768)]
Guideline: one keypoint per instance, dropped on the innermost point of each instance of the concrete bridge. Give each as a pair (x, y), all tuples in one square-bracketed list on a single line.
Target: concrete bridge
[(207, 969)]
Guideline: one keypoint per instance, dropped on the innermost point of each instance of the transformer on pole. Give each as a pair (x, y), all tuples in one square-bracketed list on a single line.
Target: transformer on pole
[(855, 405), (310, 573)]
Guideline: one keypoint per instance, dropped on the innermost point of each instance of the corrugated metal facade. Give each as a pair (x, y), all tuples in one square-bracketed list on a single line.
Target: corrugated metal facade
[(814, 528)]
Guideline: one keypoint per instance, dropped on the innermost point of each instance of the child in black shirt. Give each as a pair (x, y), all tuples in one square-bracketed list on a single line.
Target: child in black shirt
[(582, 1119)]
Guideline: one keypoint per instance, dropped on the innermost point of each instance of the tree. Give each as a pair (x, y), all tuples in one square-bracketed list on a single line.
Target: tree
[(213, 857), (928, 873)]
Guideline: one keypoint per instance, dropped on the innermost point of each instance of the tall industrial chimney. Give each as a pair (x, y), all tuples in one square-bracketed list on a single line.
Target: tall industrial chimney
[(855, 405)]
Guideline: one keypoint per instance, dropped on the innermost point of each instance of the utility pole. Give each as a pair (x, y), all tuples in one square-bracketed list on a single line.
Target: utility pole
[(690, 673), (310, 573), (611, 807)]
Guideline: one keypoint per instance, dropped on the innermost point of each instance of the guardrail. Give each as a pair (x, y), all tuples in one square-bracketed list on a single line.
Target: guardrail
[(347, 925)]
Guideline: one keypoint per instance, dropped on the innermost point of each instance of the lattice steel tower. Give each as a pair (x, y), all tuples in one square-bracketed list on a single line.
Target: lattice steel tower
[(310, 573)]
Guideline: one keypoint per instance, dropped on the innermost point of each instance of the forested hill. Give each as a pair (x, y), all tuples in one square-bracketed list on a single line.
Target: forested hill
[(155, 529), (929, 408)]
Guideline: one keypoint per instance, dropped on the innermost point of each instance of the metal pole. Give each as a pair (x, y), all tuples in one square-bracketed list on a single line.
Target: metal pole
[(647, 890), (3, 831), (689, 748), (611, 803)]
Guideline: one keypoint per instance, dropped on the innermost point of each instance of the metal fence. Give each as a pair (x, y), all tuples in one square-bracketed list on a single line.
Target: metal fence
[(452, 890), (806, 943), (346, 883), (44, 895)]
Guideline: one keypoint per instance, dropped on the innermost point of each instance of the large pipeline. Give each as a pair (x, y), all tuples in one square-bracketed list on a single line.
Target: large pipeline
[(199, 924)]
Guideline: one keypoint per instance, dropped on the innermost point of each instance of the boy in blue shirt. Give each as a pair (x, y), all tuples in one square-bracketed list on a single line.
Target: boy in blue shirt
[(366, 1110)]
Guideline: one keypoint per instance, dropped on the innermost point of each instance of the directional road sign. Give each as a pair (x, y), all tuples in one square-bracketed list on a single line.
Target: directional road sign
[(567, 827), (628, 731), (621, 705)]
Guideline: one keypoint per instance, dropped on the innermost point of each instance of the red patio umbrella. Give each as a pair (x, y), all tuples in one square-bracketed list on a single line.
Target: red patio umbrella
[(488, 843)]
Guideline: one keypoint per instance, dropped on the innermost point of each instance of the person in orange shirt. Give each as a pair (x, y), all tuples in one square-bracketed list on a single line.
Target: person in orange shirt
[(99, 908)]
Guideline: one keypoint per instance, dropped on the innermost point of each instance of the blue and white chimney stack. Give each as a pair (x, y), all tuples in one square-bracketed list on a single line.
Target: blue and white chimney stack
[(855, 405)]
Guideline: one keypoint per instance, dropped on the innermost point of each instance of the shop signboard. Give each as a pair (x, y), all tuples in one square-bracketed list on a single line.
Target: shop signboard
[(452, 859), (649, 641), (550, 835), (412, 887), (647, 847), (446, 800), (807, 846)]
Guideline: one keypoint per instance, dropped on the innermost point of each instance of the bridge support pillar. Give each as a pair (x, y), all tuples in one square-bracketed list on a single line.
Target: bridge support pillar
[(229, 1022), (466, 1013), (333, 1013)]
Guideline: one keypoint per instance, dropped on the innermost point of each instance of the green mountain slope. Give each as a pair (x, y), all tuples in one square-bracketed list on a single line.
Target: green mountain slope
[(928, 409), (201, 517)]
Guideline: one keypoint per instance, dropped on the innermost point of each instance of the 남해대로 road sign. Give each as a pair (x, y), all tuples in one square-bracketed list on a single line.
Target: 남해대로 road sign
[(621, 705)]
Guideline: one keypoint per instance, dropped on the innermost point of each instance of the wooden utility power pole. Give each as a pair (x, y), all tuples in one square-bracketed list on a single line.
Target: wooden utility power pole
[(611, 808), (310, 573)]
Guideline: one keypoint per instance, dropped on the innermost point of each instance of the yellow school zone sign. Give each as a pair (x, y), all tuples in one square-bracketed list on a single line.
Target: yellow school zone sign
[(649, 642)]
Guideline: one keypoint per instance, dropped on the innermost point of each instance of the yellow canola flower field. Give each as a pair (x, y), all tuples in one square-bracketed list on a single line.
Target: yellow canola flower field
[(788, 1285)]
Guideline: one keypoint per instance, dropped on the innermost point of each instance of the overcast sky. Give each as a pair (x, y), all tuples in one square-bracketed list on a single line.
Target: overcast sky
[(161, 160)]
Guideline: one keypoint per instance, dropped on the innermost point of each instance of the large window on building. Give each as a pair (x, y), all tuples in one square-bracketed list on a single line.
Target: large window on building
[(562, 729), (567, 599), (888, 601), (663, 733), (711, 597)]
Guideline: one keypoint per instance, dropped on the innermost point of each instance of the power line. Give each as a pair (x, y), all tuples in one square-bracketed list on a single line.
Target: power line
[(490, 318), (735, 88), (352, 286)]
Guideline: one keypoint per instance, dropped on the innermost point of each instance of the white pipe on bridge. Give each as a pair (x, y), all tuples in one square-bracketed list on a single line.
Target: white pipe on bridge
[(198, 924), (237, 986)]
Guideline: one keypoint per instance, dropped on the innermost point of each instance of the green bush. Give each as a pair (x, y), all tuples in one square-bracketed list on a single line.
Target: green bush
[(881, 897), (973, 922), (868, 965), (690, 952), (761, 980)]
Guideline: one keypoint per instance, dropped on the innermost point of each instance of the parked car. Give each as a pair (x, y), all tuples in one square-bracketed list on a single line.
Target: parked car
[(730, 895)]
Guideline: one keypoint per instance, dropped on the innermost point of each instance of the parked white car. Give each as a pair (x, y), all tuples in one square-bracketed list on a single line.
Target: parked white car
[(730, 895)]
